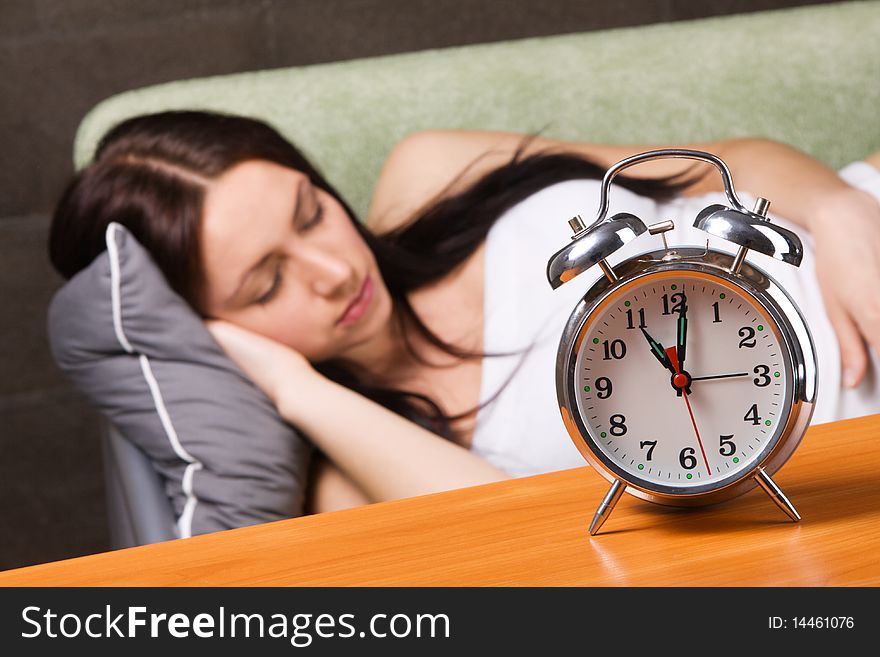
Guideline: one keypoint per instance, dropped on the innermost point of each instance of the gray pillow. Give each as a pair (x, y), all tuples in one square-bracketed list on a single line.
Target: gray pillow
[(148, 363)]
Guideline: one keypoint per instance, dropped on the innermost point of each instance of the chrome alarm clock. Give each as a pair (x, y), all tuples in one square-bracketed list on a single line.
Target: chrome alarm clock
[(687, 375)]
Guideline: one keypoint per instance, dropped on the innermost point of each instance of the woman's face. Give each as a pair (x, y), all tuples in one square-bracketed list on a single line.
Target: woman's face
[(282, 258)]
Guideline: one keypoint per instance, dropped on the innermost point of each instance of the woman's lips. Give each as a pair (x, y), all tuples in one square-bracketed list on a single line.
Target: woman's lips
[(359, 306)]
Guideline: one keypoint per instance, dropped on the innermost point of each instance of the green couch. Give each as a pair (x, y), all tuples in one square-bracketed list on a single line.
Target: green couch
[(807, 76)]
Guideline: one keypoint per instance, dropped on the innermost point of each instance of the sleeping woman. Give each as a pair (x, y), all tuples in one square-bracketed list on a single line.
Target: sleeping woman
[(412, 347)]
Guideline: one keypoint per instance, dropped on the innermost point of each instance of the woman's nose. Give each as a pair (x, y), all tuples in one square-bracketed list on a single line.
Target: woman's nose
[(329, 274)]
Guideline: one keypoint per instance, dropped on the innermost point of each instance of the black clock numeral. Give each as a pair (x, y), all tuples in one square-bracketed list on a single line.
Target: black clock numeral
[(603, 387), (629, 319), (687, 459), (752, 415), (727, 447), (618, 424), (763, 378), (676, 305), (747, 333), (717, 319), (652, 443), (616, 350)]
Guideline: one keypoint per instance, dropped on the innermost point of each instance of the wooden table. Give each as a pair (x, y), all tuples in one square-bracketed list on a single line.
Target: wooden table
[(533, 531)]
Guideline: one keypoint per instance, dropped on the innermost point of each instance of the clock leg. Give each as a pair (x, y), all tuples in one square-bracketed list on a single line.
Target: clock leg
[(607, 506), (776, 494)]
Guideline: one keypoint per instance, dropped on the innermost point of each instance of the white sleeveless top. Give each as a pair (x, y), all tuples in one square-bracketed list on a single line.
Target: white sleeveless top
[(521, 431)]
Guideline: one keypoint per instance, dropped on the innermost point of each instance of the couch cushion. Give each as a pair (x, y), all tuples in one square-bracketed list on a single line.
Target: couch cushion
[(149, 364), (807, 76)]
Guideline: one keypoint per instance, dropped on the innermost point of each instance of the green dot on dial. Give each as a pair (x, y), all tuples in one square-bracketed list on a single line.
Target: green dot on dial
[(722, 295), (626, 303), (641, 467), (586, 388), (675, 287), (736, 459), (603, 434), (767, 422), (690, 476), (776, 374), (760, 327), (595, 340)]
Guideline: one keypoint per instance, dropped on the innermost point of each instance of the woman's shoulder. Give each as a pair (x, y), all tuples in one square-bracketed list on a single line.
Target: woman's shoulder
[(429, 165)]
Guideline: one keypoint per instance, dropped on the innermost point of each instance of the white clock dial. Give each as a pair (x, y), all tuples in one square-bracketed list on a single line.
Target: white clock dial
[(692, 426)]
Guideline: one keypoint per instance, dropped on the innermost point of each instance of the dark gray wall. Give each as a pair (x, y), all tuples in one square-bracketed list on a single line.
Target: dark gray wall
[(60, 57)]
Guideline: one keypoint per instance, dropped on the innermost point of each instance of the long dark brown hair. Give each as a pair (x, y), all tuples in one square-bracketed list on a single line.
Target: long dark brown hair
[(150, 174)]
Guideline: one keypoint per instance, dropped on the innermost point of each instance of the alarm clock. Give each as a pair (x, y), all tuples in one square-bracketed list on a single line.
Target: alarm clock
[(685, 376)]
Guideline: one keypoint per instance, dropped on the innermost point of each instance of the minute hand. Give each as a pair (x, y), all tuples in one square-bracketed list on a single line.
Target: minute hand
[(681, 341)]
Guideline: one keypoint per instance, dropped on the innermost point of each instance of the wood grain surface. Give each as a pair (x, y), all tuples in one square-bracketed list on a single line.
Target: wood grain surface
[(533, 531)]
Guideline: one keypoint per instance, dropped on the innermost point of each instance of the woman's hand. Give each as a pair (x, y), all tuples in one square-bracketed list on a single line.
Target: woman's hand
[(272, 366), (846, 232)]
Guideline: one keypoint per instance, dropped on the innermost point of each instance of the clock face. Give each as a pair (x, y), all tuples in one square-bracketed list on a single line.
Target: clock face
[(683, 381)]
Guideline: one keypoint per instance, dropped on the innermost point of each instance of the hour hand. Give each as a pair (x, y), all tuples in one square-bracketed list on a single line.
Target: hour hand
[(659, 352)]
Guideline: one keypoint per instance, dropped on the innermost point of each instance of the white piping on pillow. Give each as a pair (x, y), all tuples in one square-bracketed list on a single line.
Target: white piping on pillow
[(184, 522)]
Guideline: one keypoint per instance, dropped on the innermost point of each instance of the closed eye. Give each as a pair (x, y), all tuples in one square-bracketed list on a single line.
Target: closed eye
[(316, 218), (267, 296)]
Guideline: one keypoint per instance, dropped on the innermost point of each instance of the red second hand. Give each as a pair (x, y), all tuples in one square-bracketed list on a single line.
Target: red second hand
[(673, 356)]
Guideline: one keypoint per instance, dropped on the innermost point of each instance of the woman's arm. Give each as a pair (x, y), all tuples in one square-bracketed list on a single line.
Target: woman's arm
[(845, 225), (329, 489), (431, 164), (845, 222), (384, 454)]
